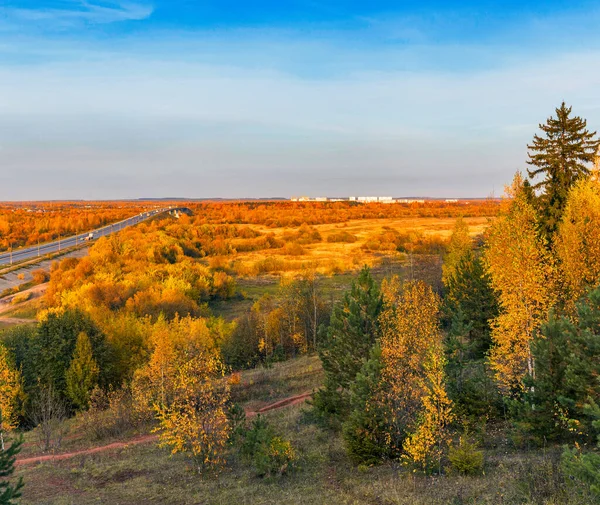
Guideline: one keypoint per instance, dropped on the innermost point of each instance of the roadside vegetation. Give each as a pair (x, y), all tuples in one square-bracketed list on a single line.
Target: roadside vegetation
[(30, 223)]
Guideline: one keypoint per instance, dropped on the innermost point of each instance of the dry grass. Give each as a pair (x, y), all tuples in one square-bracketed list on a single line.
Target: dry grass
[(149, 475), (327, 258)]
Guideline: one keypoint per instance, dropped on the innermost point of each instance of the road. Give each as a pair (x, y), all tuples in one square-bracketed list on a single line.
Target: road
[(59, 245)]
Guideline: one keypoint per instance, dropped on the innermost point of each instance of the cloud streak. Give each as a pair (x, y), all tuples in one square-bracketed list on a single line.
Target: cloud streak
[(77, 12)]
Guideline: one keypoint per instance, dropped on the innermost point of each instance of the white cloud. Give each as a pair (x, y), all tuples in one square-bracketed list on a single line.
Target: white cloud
[(80, 11), (200, 116)]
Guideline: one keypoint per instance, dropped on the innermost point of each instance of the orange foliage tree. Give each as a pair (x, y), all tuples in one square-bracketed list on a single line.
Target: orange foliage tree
[(522, 273)]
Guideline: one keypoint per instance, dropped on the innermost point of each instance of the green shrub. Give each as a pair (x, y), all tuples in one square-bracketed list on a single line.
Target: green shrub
[(270, 455), (274, 458), (584, 469), (237, 420), (465, 458)]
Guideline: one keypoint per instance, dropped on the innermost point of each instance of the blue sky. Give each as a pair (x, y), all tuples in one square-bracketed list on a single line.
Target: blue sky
[(119, 99)]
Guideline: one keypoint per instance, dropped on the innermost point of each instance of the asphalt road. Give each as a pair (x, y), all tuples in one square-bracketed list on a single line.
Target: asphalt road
[(60, 245)]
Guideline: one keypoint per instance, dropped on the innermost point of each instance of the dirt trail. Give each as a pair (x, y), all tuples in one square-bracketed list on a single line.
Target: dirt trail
[(292, 400), (85, 452), (36, 292), (16, 320)]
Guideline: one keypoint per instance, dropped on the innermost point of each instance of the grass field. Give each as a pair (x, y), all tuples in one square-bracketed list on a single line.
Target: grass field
[(147, 474), (328, 258)]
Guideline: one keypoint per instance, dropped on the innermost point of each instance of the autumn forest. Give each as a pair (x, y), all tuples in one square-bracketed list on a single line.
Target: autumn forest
[(436, 352)]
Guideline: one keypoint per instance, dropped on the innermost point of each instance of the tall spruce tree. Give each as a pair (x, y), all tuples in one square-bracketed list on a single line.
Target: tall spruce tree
[(561, 157), (352, 332), (9, 492), (471, 301)]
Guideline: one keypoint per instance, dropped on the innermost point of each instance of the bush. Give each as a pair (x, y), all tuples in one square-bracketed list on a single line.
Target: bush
[(294, 249), (110, 414), (342, 236), (465, 458), (583, 470), (40, 276), (23, 297), (270, 455), (274, 458)]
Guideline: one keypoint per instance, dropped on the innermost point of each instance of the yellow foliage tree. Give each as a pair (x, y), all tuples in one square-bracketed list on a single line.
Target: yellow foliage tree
[(10, 388), (195, 420), (412, 392), (183, 385), (172, 343), (522, 273), (578, 239), (426, 445)]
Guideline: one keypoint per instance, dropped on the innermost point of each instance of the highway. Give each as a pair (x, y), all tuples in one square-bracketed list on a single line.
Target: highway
[(60, 245)]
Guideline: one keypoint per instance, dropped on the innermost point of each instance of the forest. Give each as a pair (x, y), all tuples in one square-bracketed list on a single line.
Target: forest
[(447, 352), (30, 223)]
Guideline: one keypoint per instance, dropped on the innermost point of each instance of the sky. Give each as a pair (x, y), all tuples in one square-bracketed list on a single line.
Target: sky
[(104, 99)]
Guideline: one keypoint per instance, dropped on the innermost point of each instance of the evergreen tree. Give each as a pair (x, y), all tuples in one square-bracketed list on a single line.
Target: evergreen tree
[(52, 347), (566, 379), (350, 337), (9, 492), (460, 245), (561, 157), (82, 375), (471, 303), (364, 431), (584, 469)]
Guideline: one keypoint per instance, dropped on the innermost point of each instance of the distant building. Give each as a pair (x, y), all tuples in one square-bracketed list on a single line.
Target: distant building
[(452, 200)]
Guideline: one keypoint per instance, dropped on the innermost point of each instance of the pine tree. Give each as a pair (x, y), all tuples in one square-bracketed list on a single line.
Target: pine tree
[(460, 245), (471, 302), (364, 430), (350, 337), (561, 157), (566, 353), (9, 493), (82, 375)]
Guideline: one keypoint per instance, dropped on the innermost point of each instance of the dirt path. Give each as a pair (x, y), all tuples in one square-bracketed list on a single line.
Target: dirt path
[(85, 452), (36, 292), (292, 400), (15, 320)]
